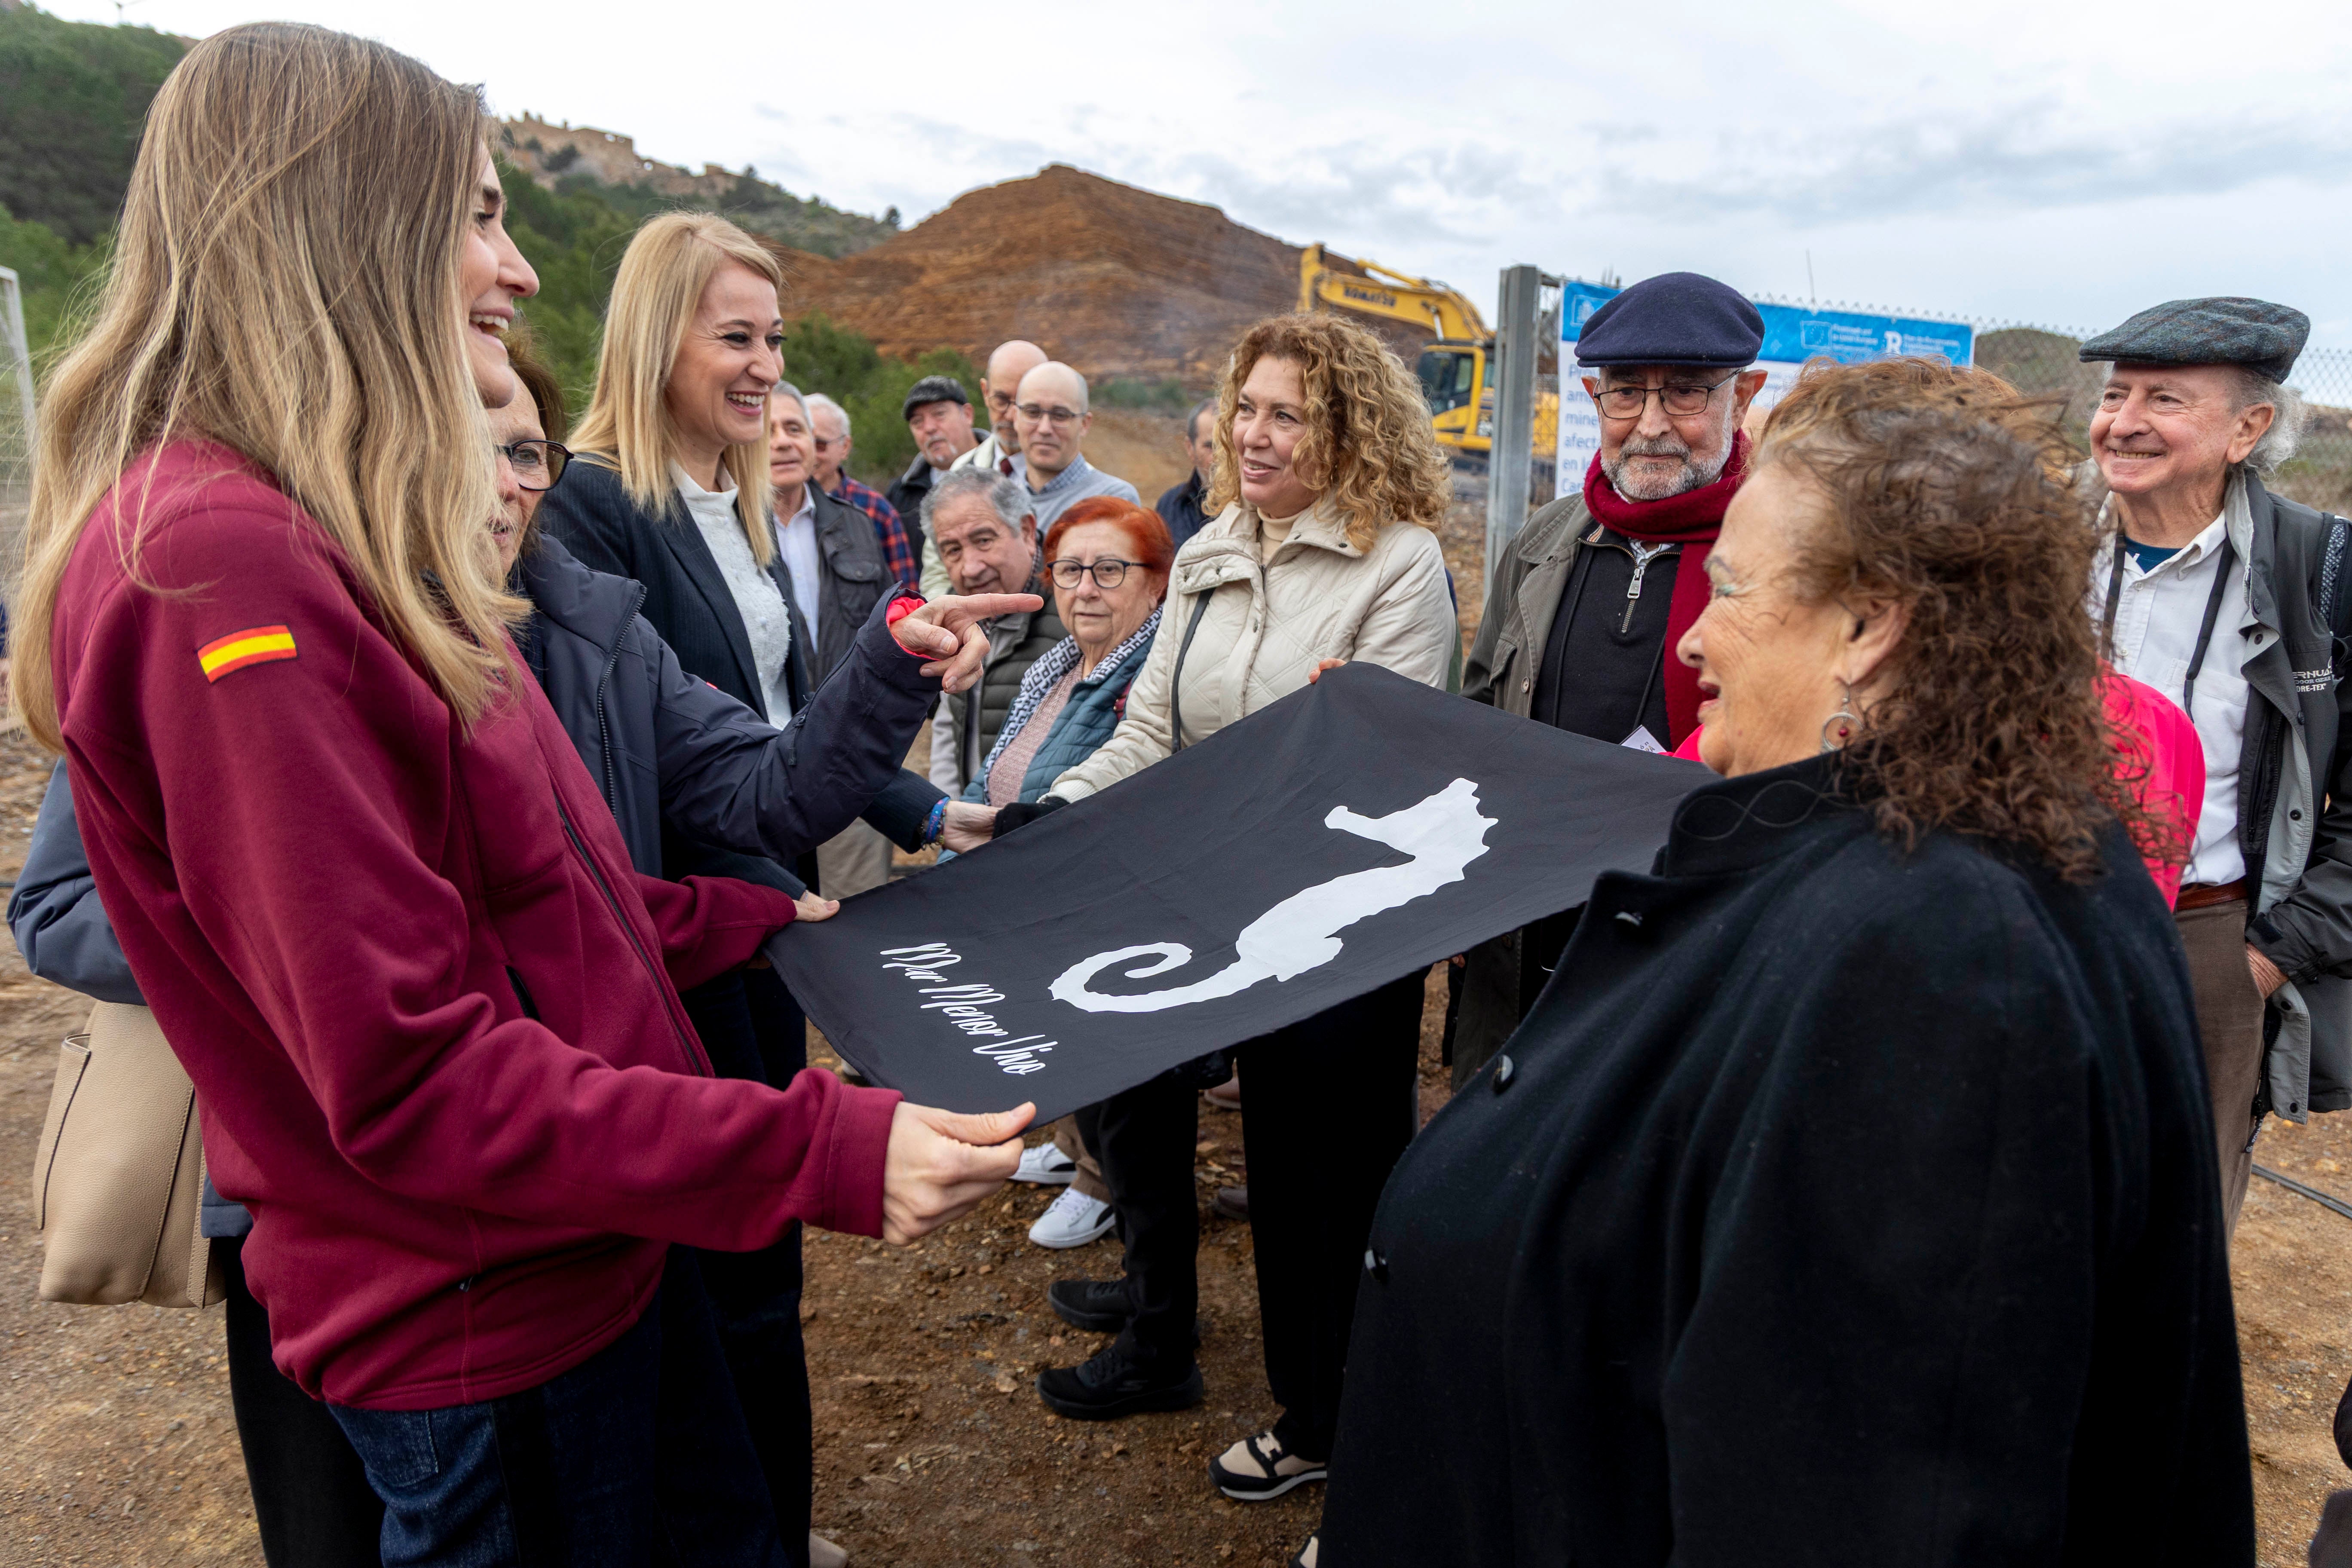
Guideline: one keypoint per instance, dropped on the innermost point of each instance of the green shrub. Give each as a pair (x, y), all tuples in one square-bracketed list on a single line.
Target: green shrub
[(52, 274), (1167, 395)]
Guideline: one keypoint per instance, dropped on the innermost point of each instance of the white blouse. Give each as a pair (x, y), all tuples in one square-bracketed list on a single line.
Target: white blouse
[(767, 619)]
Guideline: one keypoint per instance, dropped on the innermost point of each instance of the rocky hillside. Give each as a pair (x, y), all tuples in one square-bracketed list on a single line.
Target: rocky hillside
[(1117, 280), (561, 156)]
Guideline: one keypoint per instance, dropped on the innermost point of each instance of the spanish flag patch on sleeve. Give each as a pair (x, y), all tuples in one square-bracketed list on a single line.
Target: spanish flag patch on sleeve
[(255, 645)]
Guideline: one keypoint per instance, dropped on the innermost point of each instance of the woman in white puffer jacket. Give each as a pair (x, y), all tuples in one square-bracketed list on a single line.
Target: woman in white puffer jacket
[(1331, 482)]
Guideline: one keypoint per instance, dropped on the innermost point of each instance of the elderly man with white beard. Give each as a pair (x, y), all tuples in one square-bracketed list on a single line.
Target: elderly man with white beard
[(1583, 615)]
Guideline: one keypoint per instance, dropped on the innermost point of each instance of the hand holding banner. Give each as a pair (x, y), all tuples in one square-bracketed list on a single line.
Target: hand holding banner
[(1357, 830)]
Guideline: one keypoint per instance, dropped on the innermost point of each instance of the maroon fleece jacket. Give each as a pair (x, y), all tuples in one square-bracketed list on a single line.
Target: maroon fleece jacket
[(430, 1009)]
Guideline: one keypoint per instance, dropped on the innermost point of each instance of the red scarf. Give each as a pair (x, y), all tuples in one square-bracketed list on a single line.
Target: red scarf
[(1692, 520)]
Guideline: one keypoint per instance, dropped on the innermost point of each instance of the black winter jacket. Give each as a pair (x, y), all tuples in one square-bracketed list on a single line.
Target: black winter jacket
[(687, 603), (1832, 1206), (671, 749)]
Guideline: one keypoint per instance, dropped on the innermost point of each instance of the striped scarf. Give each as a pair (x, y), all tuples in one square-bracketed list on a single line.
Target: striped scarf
[(1047, 673)]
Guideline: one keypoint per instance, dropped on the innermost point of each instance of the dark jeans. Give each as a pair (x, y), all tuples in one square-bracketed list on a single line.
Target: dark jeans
[(636, 1455), (752, 1028), (1143, 1139), (311, 1496), (1330, 1106)]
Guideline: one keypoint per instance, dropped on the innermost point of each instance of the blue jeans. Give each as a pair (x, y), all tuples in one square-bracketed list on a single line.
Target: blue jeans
[(637, 1455)]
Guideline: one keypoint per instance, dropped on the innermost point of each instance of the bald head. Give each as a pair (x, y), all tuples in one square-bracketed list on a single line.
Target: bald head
[(1007, 367), (1050, 420)]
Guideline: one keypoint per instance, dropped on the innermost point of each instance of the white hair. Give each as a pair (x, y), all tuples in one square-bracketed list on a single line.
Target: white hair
[(2288, 417), (786, 389), (816, 400)]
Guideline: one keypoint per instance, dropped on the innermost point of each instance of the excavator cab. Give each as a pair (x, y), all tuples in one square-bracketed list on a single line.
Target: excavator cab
[(1454, 379), (1449, 378)]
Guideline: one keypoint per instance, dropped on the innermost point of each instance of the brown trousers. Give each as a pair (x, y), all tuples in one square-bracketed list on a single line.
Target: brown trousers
[(2230, 1009), (1089, 1180)]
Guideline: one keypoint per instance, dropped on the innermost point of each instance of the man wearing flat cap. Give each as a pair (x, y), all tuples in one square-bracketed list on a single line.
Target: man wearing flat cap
[(2225, 597), (1583, 615), (939, 414)]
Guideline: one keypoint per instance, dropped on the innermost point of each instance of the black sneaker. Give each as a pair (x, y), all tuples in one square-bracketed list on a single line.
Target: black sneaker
[(1097, 1306), (1100, 1307), (1111, 1386)]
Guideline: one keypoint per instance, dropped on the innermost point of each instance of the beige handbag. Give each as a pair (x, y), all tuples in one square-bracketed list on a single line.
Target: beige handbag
[(119, 1179)]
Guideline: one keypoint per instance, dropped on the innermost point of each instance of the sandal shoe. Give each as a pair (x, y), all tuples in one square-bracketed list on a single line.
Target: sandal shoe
[(1305, 1556), (1271, 1481)]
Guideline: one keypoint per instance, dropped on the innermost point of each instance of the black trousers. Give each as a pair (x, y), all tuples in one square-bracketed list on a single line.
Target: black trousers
[(1331, 1105), (1144, 1138), (310, 1495), (752, 1028)]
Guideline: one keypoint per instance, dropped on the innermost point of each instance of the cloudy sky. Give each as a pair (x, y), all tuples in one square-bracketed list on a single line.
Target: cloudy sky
[(2060, 165)]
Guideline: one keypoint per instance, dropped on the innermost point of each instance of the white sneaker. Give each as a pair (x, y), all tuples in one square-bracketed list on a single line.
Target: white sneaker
[(824, 1554), (1048, 1166), (1074, 1220)]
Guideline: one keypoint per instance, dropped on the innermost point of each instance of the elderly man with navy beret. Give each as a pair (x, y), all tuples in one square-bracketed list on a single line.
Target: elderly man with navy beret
[(2229, 599), (1583, 615)]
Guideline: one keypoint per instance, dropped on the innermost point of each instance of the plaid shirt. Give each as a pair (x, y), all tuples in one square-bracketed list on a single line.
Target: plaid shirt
[(896, 553)]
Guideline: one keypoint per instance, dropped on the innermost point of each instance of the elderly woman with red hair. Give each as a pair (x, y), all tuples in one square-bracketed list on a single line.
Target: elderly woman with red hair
[(1109, 561)]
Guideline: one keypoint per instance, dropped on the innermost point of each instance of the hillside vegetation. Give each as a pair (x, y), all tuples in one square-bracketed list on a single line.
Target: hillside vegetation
[(74, 95)]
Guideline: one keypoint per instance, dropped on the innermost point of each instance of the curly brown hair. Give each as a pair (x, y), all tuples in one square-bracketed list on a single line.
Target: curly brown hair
[(1950, 491), (1369, 448)]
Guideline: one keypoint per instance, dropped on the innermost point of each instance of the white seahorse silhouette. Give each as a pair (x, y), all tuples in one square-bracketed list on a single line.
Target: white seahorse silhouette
[(1443, 833)]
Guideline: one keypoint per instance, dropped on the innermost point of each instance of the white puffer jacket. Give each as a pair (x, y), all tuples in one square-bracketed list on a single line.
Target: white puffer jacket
[(1265, 627)]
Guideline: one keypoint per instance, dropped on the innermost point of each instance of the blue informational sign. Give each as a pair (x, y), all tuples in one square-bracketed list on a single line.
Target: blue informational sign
[(1792, 335)]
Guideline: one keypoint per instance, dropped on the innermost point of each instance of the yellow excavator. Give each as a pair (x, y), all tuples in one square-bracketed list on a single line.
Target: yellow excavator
[(1458, 371)]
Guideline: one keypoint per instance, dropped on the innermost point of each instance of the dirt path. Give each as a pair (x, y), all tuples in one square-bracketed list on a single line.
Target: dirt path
[(931, 1448)]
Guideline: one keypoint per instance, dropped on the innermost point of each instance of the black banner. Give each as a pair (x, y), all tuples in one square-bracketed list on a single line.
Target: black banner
[(1352, 833)]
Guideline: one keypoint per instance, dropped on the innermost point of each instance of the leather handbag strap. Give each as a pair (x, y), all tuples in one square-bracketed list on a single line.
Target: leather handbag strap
[(1176, 682)]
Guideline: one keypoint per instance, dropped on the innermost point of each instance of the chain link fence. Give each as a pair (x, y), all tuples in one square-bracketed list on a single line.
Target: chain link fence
[(15, 431), (2042, 362)]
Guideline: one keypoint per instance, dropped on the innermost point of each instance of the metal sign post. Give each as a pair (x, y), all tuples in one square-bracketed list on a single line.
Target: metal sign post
[(1508, 463)]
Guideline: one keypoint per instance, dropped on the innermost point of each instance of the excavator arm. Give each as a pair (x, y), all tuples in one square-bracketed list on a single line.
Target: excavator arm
[(1383, 292)]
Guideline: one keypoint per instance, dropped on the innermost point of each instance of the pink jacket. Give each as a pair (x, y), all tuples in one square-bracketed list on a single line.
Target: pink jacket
[(2152, 735)]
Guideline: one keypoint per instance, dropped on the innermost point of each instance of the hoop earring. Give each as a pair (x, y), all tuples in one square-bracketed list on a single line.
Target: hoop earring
[(1845, 722)]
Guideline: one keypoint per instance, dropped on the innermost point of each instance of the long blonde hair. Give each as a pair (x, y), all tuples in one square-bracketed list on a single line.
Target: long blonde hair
[(286, 283), (668, 263), (1369, 445)]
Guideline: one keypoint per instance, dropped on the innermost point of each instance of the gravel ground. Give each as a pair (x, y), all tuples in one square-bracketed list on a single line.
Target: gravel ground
[(932, 1448)]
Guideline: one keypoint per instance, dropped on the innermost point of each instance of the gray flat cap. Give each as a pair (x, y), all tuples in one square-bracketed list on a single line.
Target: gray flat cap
[(2226, 330), (933, 389)]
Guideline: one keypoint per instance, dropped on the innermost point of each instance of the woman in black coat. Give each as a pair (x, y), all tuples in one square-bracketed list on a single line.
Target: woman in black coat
[(1849, 1197)]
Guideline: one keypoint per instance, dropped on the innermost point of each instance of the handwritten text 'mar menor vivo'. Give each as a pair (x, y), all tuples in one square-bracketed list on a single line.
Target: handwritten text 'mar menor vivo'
[(965, 1006)]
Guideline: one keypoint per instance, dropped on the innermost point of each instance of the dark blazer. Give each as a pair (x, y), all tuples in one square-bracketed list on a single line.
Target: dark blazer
[(854, 578), (1836, 1205), (687, 599)]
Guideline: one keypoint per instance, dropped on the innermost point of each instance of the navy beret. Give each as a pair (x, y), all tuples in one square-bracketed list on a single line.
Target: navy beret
[(934, 389), (1676, 318), (2229, 330)]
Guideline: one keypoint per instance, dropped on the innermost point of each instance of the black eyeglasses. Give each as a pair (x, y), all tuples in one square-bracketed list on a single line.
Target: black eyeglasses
[(537, 465), (1683, 398), (1108, 573)]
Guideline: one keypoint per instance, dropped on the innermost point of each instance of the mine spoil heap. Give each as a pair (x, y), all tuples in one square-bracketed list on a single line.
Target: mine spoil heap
[(1117, 281)]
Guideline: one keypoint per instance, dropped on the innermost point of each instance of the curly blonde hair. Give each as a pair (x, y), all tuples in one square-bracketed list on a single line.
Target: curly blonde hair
[(1948, 489), (1369, 448)]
